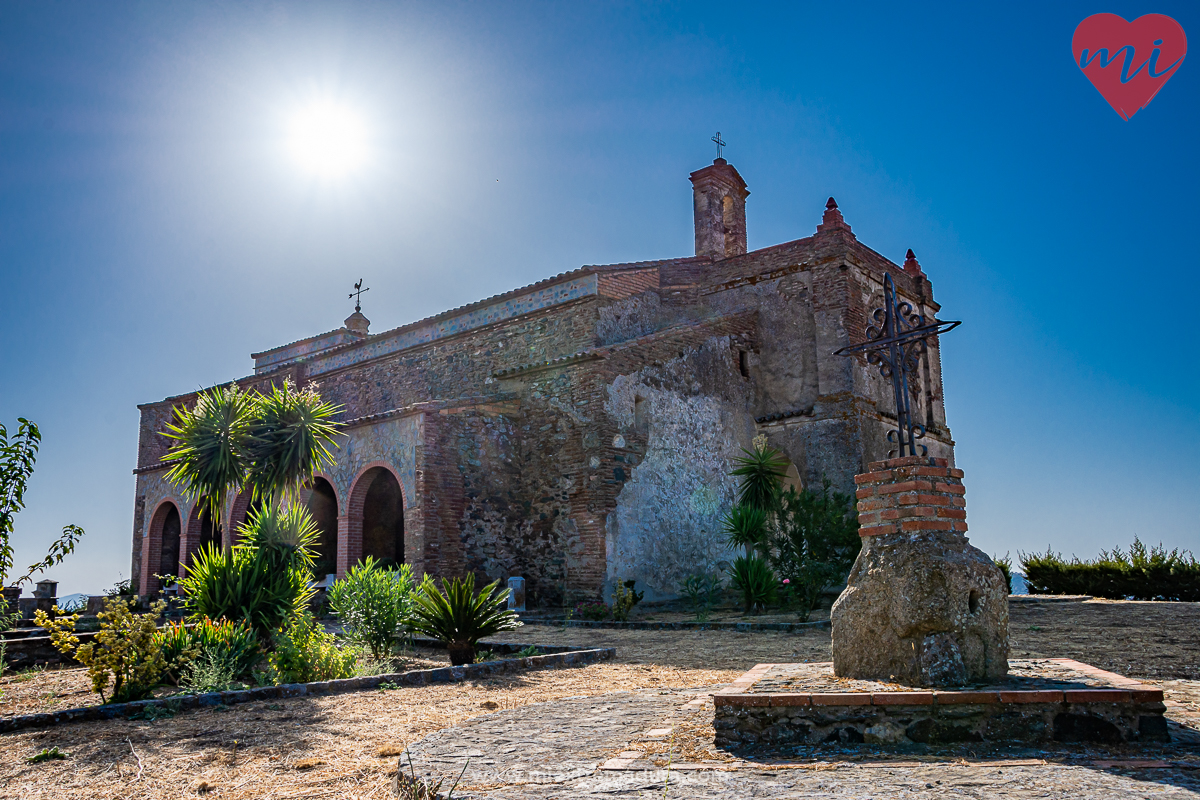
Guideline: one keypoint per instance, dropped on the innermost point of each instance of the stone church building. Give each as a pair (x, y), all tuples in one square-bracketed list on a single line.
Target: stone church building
[(581, 429)]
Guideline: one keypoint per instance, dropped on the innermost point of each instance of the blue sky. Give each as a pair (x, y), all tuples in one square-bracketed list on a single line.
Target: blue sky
[(153, 231)]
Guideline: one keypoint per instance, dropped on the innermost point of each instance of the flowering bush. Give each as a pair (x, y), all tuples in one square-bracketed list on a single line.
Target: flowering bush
[(595, 610), (126, 649)]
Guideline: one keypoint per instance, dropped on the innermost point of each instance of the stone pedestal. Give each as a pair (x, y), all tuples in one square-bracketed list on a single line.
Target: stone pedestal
[(516, 594), (922, 607)]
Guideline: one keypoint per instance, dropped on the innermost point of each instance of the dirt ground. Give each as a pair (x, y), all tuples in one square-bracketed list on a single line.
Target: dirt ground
[(347, 745)]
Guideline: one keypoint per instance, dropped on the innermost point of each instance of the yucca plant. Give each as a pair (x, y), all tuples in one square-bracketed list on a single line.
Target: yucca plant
[(753, 578), (258, 585), (271, 443), (762, 471), (746, 526), (291, 533), (211, 453), (458, 617), (292, 431)]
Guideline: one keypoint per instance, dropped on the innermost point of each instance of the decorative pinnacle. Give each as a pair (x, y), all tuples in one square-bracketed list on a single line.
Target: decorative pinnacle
[(911, 265), (833, 220)]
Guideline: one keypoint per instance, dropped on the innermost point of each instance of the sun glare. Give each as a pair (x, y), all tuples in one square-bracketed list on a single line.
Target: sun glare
[(327, 139)]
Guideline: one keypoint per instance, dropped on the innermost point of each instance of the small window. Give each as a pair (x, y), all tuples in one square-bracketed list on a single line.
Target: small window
[(641, 414), (744, 363)]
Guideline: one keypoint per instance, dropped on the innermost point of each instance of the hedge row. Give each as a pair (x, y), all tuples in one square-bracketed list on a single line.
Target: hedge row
[(1144, 573)]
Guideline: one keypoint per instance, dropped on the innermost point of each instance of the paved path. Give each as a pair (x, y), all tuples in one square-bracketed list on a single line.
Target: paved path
[(591, 748)]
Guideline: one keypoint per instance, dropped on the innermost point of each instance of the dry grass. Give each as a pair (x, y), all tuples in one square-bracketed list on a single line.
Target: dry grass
[(344, 746)]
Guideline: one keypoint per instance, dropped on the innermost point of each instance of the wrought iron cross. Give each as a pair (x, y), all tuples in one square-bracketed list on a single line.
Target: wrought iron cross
[(895, 343), (719, 141), (356, 295)]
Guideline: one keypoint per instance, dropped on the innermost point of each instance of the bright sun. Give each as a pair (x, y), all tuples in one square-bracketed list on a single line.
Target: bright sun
[(327, 139)]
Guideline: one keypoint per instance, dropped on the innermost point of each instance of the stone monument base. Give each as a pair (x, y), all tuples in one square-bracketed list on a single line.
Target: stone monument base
[(921, 605), (1046, 700)]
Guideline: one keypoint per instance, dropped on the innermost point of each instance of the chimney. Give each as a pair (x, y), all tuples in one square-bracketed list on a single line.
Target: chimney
[(719, 200)]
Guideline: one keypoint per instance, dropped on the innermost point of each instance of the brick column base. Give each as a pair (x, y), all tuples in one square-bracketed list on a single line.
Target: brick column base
[(921, 606), (909, 495)]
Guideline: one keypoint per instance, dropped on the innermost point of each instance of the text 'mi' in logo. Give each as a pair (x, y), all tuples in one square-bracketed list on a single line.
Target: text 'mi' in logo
[(1128, 62)]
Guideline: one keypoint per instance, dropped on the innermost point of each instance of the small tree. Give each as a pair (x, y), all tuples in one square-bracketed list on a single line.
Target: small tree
[(127, 649), (18, 455)]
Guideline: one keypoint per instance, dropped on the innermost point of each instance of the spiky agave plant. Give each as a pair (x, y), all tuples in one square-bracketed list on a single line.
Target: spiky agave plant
[(264, 580), (459, 617)]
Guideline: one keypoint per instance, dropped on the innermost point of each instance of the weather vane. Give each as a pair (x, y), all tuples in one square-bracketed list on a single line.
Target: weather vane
[(895, 344), (720, 142), (356, 295)]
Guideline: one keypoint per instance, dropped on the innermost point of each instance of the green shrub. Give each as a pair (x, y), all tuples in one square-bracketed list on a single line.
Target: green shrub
[(459, 617), (814, 542), (1144, 573), (264, 580), (230, 643), (126, 650), (211, 671), (751, 576), (303, 652), (372, 603), (1005, 565), (702, 590)]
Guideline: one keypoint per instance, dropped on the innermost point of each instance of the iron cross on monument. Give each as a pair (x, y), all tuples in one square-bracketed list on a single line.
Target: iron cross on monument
[(895, 344), (356, 295)]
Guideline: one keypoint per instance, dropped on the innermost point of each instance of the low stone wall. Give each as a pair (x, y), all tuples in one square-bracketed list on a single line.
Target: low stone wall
[(1112, 710), (680, 626), (562, 657)]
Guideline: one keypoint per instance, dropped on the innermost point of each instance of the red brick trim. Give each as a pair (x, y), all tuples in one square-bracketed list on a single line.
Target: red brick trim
[(741, 694)]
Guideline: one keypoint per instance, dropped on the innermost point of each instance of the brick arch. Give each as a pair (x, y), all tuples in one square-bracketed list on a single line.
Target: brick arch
[(350, 524), (238, 511), (152, 546), (328, 519), (197, 531)]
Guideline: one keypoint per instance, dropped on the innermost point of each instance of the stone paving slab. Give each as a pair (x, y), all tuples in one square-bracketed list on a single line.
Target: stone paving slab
[(594, 747)]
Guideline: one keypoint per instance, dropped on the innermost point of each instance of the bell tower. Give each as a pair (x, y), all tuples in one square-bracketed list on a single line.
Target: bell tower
[(719, 202)]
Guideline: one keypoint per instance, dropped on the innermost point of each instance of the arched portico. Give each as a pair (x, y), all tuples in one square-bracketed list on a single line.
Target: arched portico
[(199, 534), (374, 521), (161, 548), (323, 505)]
